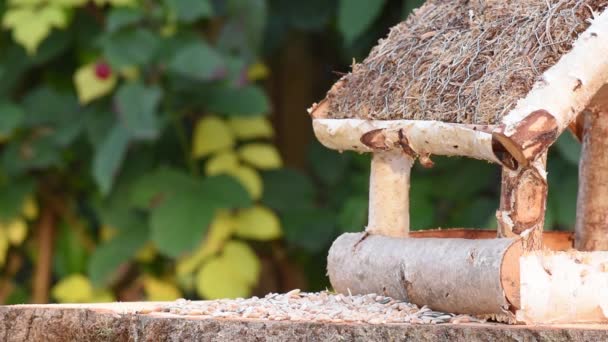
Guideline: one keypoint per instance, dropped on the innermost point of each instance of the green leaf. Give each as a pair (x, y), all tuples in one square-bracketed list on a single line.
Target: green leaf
[(137, 105), (249, 100), (120, 17), (48, 106), (11, 117), (199, 61), (12, 196), (130, 47), (569, 148), (311, 229), (353, 215), (188, 11), (356, 16), (108, 158), (107, 257), (225, 192), (328, 165), (180, 222), (150, 189), (40, 153), (287, 189), (250, 17), (70, 253)]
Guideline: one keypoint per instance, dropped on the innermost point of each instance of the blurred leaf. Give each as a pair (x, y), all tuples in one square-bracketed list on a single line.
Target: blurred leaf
[(147, 253), (189, 11), (75, 288), (257, 71), (248, 100), (108, 256), (225, 192), (329, 166), (29, 210), (11, 117), (45, 105), (31, 25), (130, 47), (137, 105), (12, 197), (211, 134), (90, 86), (353, 215), (109, 157), (16, 231), (4, 245), (70, 255), (261, 156), (220, 230), (158, 290), (422, 210), (18, 295), (180, 222), (569, 148), (257, 223), (312, 229), (245, 128), (230, 275), (356, 16), (222, 162), (250, 16), (287, 189), (121, 17), (249, 179), (199, 61)]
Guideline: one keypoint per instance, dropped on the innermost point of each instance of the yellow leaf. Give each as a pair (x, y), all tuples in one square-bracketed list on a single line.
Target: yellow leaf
[(89, 86), (220, 230), (250, 179), (117, 3), (3, 246), (158, 290), (15, 16), (243, 261), (130, 73), (147, 253), (223, 162), (217, 280), (75, 288), (102, 296), (30, 208), (30, 32), (258, 223), (16, 231), (106, 233), (54, 16), (251, 128), (211, 134), (257, 71), (262, 156)]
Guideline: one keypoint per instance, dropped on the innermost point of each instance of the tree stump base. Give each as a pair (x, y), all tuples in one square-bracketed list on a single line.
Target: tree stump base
[(123, 322)]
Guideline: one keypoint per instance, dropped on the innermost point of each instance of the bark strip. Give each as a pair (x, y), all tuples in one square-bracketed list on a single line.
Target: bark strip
[(564, 287), (389, 188), (523, 202), (450, 275), (592, 201)]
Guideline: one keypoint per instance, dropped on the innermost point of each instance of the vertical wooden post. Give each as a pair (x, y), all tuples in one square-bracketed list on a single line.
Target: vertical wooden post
[(523, 202), (591, 230), (389, 188)]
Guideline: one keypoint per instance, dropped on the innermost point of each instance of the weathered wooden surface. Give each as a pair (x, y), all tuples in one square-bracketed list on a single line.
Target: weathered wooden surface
[(120, 322)]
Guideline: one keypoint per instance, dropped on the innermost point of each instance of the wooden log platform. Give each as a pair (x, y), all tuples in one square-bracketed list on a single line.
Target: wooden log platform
[(140, 322)]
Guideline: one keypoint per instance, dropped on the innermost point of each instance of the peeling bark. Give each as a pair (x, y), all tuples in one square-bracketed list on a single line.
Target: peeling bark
[(564, 287), (523, 202), (451, 275), (592, 201), (530, 138), (389, 188)]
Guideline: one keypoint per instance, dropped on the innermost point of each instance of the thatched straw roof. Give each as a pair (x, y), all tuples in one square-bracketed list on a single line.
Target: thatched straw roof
[(463, 61)]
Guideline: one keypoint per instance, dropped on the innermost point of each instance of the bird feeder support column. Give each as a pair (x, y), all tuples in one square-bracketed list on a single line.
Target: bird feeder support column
[(389, 187), (523, 201)]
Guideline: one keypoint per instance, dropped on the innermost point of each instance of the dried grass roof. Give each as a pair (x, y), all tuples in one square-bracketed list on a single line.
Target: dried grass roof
[(463, 61)]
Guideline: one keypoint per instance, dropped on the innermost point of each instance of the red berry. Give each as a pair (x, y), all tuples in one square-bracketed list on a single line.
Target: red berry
[(103, 70)]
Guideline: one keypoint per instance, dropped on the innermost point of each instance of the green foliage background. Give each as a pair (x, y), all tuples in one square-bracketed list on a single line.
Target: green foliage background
[(105, 174)]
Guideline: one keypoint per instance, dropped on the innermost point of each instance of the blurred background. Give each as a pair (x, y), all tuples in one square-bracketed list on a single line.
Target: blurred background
[(158, 149)]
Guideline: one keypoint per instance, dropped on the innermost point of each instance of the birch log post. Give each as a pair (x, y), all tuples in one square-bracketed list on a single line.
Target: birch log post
[(389, 188), (591, 230), (523, 202), (451, 275)]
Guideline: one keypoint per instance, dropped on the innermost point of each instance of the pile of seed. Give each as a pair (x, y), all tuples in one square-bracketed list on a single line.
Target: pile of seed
[(316, 307)]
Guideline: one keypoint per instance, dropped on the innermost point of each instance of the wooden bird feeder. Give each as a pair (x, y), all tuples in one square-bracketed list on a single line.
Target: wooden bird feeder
[(492, 80)]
